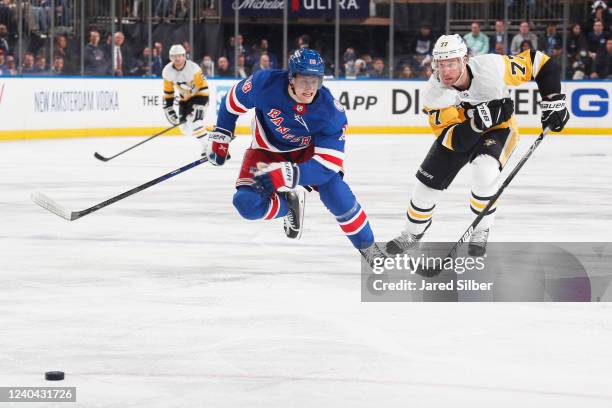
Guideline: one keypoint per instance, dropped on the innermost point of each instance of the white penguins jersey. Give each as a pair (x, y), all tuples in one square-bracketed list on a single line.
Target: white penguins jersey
[(187, 82), (492, 75)]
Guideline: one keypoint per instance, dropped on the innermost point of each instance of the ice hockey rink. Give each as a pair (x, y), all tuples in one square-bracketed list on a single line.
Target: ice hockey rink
[(170, 299)]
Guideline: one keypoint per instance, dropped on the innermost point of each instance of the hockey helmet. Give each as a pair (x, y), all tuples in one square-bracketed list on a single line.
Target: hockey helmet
[(306, 62), (176, 49), (449, 46)]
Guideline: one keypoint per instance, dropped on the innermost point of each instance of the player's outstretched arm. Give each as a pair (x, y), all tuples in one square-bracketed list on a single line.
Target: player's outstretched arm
[(554, 108), (536, 65)]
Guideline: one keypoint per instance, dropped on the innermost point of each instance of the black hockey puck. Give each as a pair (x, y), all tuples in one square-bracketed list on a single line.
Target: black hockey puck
[(54, 375)]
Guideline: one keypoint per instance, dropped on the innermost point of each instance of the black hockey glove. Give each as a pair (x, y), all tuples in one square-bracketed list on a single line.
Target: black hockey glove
[(489, 114), (554, 113), (170, 113)]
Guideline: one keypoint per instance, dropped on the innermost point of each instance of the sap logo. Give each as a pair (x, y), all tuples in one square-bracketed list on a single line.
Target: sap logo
[(590, 102), (221, 92)]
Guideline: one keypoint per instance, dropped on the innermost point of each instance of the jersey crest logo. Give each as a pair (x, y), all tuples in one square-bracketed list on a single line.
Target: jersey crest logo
[(300, 108)]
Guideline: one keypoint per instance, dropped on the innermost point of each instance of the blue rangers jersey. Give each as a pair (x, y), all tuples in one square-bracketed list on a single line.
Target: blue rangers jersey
[(283, 125)]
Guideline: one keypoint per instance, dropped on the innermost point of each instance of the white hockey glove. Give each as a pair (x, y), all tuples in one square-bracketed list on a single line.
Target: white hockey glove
[(554, 112), (216, 145), (489, 114), (197, 113), (272, 177), (171, 115)]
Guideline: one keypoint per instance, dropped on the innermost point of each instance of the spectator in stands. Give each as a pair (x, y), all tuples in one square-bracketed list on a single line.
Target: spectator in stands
[(242, 70), (476, 41), (500, 48), (577, 54), (426, 71), (551, 43), (603, 62), (264, 63), (208, 66), (40, 16), (378, 69), (95, 61), (499, 36), (63, 13), (597, 38), (602, 13), (406, 72), (163, 9), (361, 68), (349, 58), (61, 50), (231, 49), (523, 34), (223, 68), (264, 47), (424, 41), (526, 45), (58, 66), (576, 42), (141, 66), (158, 62), (121, 59), (11, 66), (4, 44), (27, 67), (40, 66)]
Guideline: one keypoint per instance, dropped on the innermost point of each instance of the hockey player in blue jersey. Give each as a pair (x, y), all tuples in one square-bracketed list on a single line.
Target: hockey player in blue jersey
[(298, 140)]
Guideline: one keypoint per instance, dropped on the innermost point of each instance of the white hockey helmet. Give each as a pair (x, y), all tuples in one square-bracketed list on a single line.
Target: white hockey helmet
[(177, 49), (449, 46)]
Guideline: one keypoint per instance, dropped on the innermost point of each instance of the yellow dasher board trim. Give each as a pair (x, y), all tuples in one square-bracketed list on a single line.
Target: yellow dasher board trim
[(8, 135)]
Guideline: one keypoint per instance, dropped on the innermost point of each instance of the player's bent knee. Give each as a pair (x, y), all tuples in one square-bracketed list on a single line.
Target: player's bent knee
[(424, 196), (248, 203), (485, 170)]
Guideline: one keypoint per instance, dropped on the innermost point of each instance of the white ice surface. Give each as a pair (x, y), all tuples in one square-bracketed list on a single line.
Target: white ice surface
[(170, 299)]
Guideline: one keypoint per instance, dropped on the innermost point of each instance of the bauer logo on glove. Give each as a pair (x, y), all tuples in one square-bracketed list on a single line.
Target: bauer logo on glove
[(554, 112), (216, 146)]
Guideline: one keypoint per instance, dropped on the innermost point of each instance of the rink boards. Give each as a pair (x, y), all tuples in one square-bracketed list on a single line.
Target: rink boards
[(44, 107)]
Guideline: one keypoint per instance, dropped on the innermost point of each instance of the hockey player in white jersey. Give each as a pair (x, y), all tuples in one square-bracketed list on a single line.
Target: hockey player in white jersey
[(471, 114), (184, 80)]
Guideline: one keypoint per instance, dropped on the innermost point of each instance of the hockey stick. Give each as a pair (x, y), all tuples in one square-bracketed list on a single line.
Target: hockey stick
[(430, 272), (49, 204), (105, 159)]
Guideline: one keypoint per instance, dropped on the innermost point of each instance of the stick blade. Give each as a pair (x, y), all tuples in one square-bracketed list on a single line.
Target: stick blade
[(100, 157), (50, 205)]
